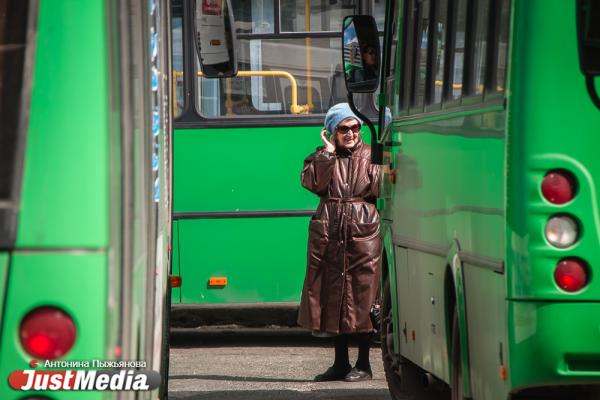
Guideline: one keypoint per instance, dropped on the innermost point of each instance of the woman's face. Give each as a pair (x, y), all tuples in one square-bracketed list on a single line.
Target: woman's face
[(370, 56), (347, 133)]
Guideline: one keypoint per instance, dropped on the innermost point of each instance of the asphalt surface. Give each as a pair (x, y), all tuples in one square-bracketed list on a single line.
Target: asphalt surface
[(261, 364)]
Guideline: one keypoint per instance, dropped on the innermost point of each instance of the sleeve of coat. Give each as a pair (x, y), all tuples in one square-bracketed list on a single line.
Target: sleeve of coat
[(375, 177), (317, 171)]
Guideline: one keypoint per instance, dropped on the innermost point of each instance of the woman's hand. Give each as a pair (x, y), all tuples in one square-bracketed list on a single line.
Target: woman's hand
[(328, 145)]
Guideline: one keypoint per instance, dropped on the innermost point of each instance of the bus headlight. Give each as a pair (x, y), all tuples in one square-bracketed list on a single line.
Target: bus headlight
[(562, 231)]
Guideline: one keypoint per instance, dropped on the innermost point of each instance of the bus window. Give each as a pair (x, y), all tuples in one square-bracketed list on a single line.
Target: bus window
[(273, 93), (480, 54), (324, 15), (439, 41), (294, 73), (459, 48), (378, 7), (502, 46), (13, 35), (254, 16), (177, 56), (390, 82), (422, 39)]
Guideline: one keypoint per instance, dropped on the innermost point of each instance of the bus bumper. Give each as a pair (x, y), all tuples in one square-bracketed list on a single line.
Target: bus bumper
[(553, 343)]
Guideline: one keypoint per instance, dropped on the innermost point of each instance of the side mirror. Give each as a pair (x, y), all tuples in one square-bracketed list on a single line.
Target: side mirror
[(215, 39), (361, 53)]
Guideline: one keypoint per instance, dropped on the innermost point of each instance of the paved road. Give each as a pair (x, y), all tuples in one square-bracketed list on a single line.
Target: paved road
[(274, 364)]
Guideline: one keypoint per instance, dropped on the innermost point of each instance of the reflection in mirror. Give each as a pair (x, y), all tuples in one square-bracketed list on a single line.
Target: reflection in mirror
[(215, 38), (360, 42)]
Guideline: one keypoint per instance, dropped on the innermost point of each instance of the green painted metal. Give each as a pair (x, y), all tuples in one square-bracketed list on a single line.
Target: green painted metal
[(263, 259), (552, 126), (77, 283), (565, 137), (474, 178), (242, 169), (554, 343), (65, 179)]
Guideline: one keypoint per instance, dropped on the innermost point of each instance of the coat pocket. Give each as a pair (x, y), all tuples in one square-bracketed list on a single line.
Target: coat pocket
[(317, 242), (361, 232)]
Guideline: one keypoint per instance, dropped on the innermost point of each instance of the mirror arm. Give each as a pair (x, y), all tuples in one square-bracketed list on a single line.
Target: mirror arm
[(376, 147), (591, 87)]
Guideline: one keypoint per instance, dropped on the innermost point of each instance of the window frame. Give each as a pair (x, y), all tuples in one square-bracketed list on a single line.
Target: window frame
[(191, 118), (409, 60)]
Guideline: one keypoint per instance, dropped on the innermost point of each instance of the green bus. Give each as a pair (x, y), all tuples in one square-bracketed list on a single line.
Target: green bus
[(490, 211), (84, 187), (240, 215)]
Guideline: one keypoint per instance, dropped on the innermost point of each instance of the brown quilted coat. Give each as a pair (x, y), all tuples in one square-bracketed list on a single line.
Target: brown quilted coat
[(344, 246)]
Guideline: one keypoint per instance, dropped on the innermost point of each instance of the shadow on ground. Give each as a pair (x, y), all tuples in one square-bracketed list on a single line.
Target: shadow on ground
[(338, 394), (232, 336), (237, 378)]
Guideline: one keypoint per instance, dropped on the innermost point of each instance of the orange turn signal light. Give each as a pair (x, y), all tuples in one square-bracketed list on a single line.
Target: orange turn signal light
[(175, 281), (217, 281)]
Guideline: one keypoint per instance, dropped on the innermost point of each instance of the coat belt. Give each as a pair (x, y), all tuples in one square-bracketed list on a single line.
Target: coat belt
[(342, 199)]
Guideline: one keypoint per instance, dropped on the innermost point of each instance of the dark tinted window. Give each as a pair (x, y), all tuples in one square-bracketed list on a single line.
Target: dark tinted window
[(13, 50), (13, 31)]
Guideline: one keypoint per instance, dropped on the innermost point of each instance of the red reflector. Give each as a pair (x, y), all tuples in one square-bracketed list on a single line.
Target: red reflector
[(571, 275), (175, 281), (559, 186), (393, 176), (47, 333)]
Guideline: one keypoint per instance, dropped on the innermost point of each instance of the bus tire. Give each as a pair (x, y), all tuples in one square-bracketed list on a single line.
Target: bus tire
[(391, 360), (457, 387)]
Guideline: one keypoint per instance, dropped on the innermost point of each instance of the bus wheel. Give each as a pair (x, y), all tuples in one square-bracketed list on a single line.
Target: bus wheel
[(391, 360), (457, 372)]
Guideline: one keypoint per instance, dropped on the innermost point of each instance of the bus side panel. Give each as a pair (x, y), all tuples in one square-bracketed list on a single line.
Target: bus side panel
[(65, 199), (67, 279), (486, 311), (450, 187), (241, 169), (423, 315), (263, 259), (235, 170)]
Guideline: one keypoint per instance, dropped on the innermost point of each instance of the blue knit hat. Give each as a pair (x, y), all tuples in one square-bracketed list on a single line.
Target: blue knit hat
[(337, 114)]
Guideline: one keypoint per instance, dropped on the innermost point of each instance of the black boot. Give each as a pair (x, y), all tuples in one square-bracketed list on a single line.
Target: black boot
[(334, 373)]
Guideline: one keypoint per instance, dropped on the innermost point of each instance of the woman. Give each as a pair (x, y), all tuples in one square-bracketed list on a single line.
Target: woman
[(344, 247)]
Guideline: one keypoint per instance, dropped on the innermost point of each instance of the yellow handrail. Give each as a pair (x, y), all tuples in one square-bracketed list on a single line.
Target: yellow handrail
[(308, 60), (295, 108)]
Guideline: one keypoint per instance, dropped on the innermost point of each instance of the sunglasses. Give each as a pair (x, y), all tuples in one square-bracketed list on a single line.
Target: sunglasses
[(345, 129)]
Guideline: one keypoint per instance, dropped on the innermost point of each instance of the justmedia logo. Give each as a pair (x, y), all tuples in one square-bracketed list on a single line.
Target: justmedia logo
[(113, 380)]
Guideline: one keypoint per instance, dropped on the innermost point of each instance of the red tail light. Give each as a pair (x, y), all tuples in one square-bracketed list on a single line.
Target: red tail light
[(47, 333), (571, 275), (559, 186)]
